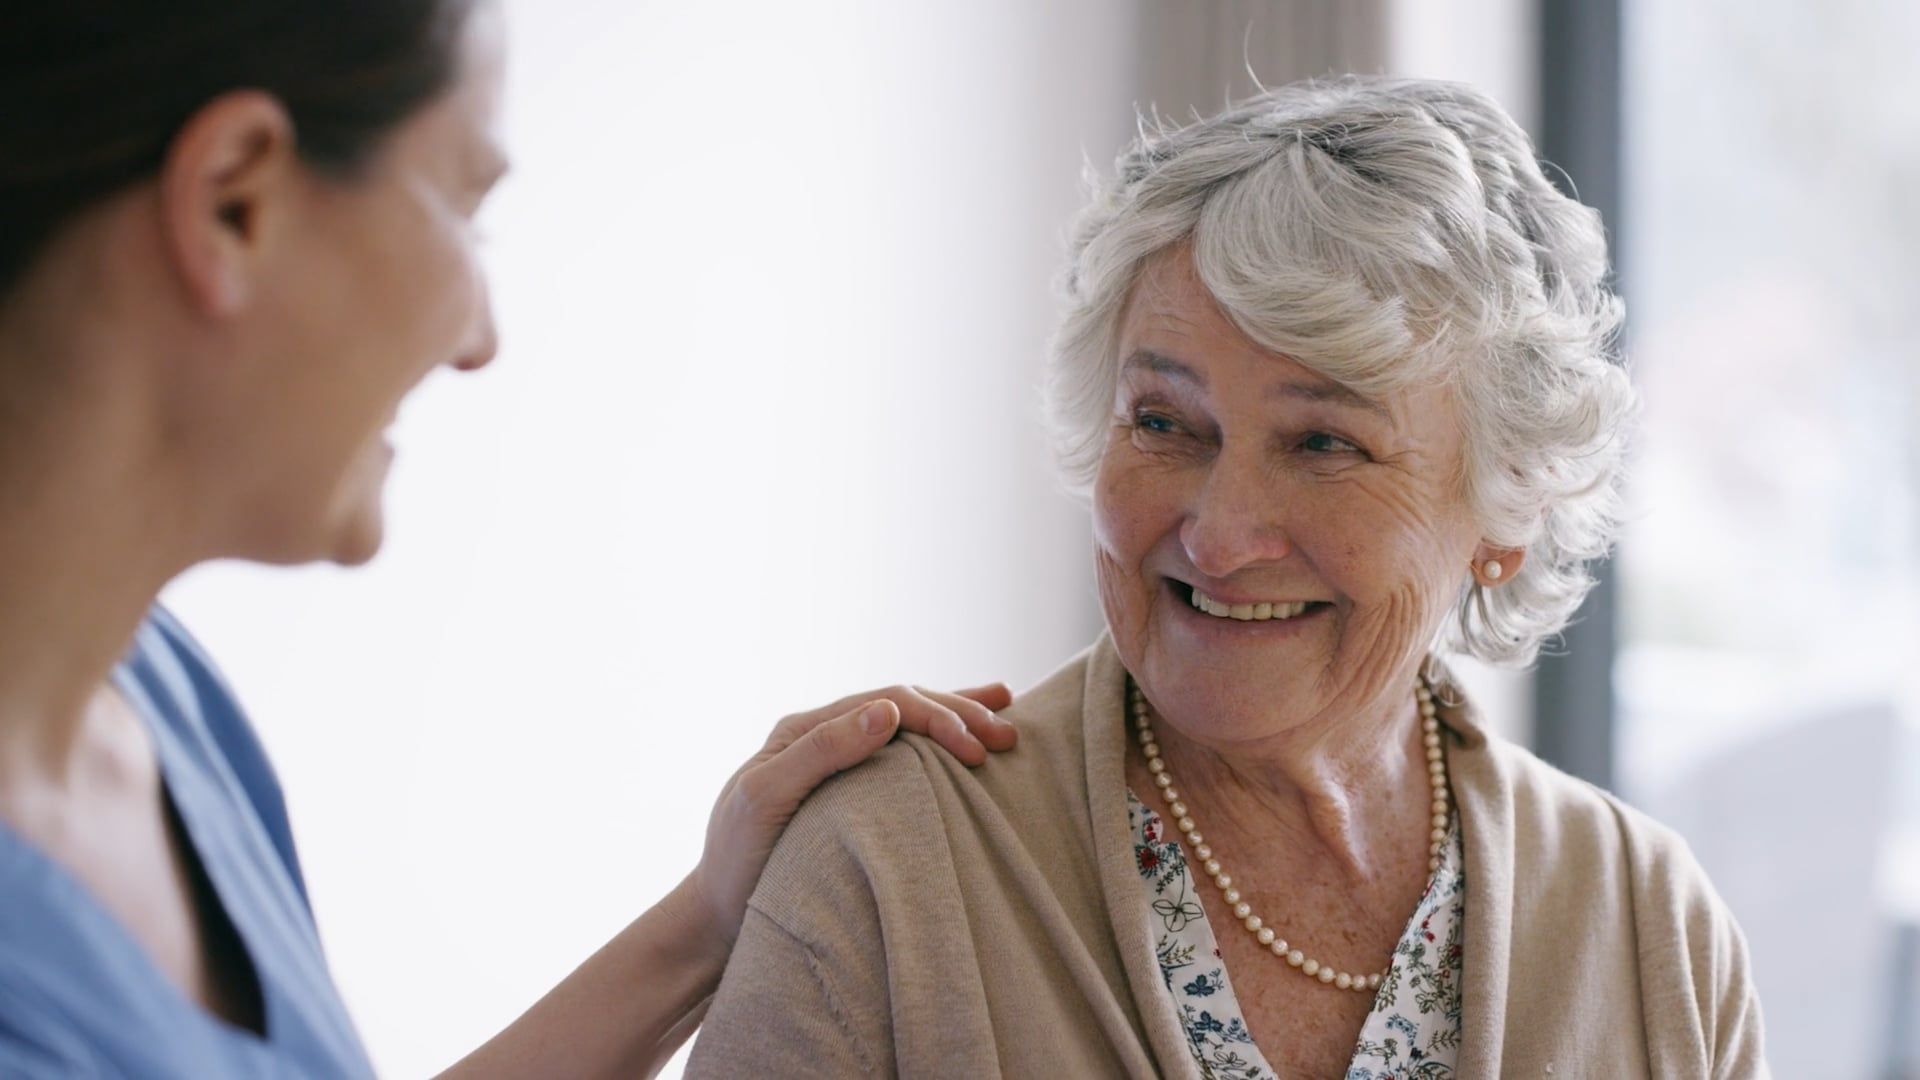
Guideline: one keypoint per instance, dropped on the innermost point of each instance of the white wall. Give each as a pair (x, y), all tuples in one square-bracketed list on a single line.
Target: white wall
[(1493, 44), (774, 281)]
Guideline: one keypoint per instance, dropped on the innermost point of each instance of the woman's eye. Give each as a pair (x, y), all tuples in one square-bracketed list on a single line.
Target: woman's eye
[(1154, 423), (1320, 442)]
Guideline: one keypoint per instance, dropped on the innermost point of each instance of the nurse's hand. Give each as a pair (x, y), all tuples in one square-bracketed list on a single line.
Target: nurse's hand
[(804, 750)]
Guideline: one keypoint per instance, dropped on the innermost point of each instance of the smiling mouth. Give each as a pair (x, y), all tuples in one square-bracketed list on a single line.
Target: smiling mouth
[(1265, 611)]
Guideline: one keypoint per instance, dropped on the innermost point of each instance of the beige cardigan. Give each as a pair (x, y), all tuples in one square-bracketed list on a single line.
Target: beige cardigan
[(922, 919)]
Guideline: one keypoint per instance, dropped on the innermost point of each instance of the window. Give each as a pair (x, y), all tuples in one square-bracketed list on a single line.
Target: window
[(1770, 614)]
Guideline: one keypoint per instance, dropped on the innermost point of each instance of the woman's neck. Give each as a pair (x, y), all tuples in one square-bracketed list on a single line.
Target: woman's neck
[(1341, 787), (88, 536)]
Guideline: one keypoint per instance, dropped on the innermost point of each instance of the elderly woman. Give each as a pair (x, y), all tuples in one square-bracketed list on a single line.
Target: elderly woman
[(1336, 376)]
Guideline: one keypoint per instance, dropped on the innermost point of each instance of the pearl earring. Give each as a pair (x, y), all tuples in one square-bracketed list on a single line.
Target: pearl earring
[(1493, 569)]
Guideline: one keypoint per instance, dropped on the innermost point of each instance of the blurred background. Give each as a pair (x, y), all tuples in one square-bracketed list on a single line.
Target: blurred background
[(775, 282)]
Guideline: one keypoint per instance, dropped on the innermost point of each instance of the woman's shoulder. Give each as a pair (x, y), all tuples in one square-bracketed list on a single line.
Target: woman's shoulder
[(900, 815), (1590, 833), (181, 689), (1564, 832), (1554, 815), (1574, 867), (904, 776)]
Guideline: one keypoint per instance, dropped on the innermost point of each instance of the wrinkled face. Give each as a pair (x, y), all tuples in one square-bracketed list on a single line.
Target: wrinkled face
[(376, 283), (1240, 479)]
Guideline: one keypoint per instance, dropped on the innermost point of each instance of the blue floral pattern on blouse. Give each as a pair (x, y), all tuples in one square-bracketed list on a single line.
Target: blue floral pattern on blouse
[(1414, 1028)]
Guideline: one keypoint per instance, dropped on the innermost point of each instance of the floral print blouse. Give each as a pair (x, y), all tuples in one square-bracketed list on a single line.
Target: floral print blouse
[(1414, 1028)]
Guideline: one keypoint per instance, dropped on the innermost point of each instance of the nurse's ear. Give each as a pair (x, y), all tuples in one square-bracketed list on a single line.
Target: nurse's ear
[(231, 175)]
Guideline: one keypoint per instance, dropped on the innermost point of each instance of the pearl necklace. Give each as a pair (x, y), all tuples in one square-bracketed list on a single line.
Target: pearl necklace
[(1183, 819)]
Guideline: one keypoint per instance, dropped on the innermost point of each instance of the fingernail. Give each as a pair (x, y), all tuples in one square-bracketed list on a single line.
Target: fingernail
[(875, 719)]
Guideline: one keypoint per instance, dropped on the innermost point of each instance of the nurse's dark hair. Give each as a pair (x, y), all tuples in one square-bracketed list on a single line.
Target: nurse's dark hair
[(92, 92)]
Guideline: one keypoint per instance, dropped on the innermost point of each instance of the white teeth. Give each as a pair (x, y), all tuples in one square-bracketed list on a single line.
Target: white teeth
[(1246, 612)]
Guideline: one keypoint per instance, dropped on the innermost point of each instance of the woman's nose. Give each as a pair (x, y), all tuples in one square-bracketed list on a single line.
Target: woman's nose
[(1236, 521), (483, 340)]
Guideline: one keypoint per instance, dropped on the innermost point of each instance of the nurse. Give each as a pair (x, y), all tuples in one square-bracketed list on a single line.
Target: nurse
[(234, 234)]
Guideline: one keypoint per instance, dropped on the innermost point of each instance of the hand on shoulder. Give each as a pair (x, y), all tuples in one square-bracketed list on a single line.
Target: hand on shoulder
[(802, 752)]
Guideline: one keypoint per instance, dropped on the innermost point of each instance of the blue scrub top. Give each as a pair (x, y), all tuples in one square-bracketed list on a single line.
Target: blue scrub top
[(80, 997)]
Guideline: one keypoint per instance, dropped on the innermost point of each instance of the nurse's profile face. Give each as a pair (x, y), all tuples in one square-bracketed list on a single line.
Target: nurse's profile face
[(354, 290)]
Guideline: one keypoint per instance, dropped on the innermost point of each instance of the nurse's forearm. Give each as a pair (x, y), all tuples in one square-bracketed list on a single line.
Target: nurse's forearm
[(622, 1013)]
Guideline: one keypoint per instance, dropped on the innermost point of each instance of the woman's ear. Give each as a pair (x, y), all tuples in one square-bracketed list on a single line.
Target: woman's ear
[(228, 176), (1493, 566)]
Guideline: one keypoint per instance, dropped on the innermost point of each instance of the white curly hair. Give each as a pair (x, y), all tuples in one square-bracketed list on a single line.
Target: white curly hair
[(1383, 232)]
